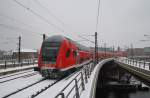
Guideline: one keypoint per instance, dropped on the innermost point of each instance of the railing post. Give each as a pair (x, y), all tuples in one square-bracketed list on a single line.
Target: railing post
[(88, 74), (93, 66), (14, 63), (28, 61), (62, 95), (5, 64), (139, 64), (82, 81), (33, 61), (89, 68), (136, 63), (149, 65), (21, 63), (86, 81), (144, 64), (77, 89), (128, 61)]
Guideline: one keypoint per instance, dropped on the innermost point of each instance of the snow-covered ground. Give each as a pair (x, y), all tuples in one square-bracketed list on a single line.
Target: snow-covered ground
[(53, 91), (32, 90), (17, 68), (13, 85), (14, 63), (13, 74), (16, 76)]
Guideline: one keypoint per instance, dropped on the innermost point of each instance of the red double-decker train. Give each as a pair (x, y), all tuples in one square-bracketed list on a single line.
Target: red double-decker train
[(60, 55)]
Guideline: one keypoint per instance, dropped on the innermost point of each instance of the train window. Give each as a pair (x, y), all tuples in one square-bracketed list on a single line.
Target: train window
[(68, 53), (74, 53), (50, 52)]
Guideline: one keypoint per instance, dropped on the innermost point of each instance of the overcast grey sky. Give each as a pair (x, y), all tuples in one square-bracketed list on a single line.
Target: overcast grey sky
[(121, 22)]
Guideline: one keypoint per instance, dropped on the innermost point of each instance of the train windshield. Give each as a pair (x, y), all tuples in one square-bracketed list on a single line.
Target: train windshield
[(49, 52)]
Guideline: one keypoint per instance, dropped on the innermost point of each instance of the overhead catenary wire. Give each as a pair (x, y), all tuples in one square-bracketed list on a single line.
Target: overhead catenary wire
[(39, 16), (54, 16), (18, 28), (86, 39), (49, 12), (15, 20)]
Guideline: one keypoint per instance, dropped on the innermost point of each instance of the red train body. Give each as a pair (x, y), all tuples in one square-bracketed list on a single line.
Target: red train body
[(60, 55)]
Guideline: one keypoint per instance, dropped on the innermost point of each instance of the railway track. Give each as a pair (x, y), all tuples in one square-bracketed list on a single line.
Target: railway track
[(31, 86), (22, 76), (44, 89), (34, 89), (19, 90), (2, 77), (50, 85)]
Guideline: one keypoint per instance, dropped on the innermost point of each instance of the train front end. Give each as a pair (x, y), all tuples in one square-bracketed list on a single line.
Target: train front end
[(48, 57)]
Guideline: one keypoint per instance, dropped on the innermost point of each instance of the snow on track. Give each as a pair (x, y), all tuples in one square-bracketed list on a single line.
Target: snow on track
[(14, 74), (11, 86), (17, 68), (7, 79), (55, 89), (33, 89)]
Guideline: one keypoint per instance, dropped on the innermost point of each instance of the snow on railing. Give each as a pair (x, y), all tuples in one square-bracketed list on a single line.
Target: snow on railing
[(75, 87), (14, 62), (135, 63)]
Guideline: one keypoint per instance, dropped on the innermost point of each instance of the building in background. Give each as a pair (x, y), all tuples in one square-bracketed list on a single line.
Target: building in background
[(147, 51), (5, 55), (1, 54), (110, 49), (135, 52), (25, 54)]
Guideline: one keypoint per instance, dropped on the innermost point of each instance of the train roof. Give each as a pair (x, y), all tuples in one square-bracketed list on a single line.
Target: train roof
[(56, 38), (60, 38), (81, 47)]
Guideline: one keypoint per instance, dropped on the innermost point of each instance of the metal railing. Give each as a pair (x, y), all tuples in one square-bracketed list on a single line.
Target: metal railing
[(14, 63), (140, 58), (75, 87), (136, 63)]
